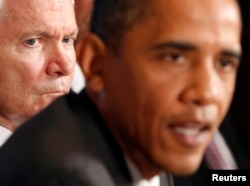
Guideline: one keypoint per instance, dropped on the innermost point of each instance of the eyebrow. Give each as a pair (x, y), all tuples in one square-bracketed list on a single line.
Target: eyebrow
[(231, 53), (44, 33), (75, 32), (175, 45), (190, 47)]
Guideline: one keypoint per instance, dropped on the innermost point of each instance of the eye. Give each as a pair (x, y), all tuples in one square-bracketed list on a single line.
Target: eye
[(175, 57), (32, 42), (68, 40), (227, 64)]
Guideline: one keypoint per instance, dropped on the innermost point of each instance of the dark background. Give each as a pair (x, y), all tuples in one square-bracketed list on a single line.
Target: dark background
[(240, 109)]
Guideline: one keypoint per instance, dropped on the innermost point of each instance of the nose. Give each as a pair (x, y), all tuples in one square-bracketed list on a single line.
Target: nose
[(203, 85), (61, 61)]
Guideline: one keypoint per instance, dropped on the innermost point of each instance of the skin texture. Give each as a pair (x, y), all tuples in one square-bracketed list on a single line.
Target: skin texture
[(83, 9), (166, 91), (37, 56)]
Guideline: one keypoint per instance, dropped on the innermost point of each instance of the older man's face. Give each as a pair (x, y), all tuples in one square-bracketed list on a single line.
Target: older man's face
[(37, 56)]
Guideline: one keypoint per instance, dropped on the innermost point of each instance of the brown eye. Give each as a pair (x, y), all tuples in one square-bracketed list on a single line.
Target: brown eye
[(228, 64), (175, 57), (225, 63)]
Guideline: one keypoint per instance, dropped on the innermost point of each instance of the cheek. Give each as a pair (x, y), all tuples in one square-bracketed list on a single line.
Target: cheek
[(29, 76), (226, 96), (72, 55), (152, 113), (156, 96), (15, 73)]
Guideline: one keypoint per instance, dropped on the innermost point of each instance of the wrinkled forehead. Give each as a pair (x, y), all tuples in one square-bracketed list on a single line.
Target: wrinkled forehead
[(30, 8), (56, 2), (58, 5), (26, 16)]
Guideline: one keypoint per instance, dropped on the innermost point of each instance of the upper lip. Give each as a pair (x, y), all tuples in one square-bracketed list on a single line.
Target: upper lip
[(192, 124), (204, 118), (191, 133)]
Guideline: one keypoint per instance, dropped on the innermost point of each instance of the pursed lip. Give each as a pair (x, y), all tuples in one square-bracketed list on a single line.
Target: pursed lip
[(56, 93), (192, 133)]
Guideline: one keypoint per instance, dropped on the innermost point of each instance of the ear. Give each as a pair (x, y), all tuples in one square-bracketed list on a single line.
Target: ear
[(90, 52)]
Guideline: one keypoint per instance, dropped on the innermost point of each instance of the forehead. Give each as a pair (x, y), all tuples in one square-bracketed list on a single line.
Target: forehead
[(39, 8), (43, 15), (185, 9), (54, 4), (210, 21), (195, 11)]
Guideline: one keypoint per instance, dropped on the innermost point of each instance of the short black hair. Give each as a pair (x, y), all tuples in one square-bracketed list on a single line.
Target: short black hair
[(112, 18)]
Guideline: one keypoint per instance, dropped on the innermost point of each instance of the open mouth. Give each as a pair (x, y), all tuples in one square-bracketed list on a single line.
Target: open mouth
[(190, 134), (189, 129)]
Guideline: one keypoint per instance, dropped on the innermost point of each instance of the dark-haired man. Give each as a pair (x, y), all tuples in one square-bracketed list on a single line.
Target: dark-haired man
[(160, 76)]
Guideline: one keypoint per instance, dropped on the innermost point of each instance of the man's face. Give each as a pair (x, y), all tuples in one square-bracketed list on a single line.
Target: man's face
[(171, 83), (37, 55)]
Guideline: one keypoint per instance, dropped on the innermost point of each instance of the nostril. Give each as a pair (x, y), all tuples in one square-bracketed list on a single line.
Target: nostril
[(200, 95), (60, 67), (67, 67)]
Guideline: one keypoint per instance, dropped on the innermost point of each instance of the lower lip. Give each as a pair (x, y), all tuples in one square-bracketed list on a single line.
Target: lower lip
[(190, 141)]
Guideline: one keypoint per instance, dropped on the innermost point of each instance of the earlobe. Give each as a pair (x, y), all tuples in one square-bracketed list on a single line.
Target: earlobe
[(90, 53)]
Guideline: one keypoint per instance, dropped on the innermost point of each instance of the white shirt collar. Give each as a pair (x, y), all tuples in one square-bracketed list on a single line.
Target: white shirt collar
[(138, 178), (4, 134)]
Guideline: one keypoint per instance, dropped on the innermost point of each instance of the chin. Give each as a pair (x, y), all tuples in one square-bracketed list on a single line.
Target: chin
[(185, 166), (185, 170)]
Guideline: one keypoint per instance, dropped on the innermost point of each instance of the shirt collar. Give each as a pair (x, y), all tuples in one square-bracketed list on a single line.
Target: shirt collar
[(138, 178), (4, 134)]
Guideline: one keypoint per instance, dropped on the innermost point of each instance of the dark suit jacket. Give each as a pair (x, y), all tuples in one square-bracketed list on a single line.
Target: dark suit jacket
[(66, 144)]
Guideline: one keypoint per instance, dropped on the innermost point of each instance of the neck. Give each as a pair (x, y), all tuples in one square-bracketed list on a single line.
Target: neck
[(10, 123), (146, 167)]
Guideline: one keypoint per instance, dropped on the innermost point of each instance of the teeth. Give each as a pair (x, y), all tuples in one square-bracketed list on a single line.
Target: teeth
[(187, 131)]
